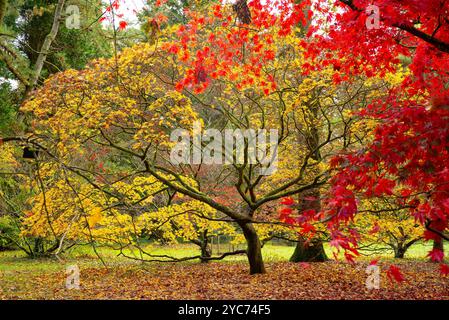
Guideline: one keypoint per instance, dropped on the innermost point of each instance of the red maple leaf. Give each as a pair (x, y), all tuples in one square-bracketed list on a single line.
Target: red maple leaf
[(395, 274), (444, 269), (122, 25), (384, 186), (374, 229), (349, 257), (436, 255), (288, 201), (373, 262), (116, 4)]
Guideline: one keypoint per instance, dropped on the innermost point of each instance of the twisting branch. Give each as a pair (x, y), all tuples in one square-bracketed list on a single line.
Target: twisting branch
[(8, 56), (167, 258), (439, 233), (439, 44)]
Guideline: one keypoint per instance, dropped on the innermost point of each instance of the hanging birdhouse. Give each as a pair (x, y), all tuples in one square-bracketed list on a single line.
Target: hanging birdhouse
[(29, 153)]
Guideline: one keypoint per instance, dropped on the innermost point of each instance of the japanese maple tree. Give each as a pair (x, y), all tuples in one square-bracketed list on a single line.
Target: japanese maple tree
[(408, 157)]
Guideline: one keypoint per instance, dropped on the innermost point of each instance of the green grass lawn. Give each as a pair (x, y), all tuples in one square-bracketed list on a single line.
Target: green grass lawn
[(84, 256)]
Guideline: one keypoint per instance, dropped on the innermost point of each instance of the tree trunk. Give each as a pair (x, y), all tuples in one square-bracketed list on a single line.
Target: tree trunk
[(399, 252), (203, 243), (206, 251), (312, 251), (438, 244), (38, 249), (254, 249)]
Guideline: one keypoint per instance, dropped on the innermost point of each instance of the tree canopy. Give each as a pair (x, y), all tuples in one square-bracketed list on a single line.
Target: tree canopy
[(354, 94)]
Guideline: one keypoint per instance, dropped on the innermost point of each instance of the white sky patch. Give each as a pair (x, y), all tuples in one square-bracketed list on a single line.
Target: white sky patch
[(13, 83), (129, 9)]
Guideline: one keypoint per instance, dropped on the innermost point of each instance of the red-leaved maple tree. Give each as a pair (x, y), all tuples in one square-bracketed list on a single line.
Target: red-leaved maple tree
[(408, 157)]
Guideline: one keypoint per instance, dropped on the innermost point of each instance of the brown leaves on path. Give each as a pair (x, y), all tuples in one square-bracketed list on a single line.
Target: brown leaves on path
[(330, 280)]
